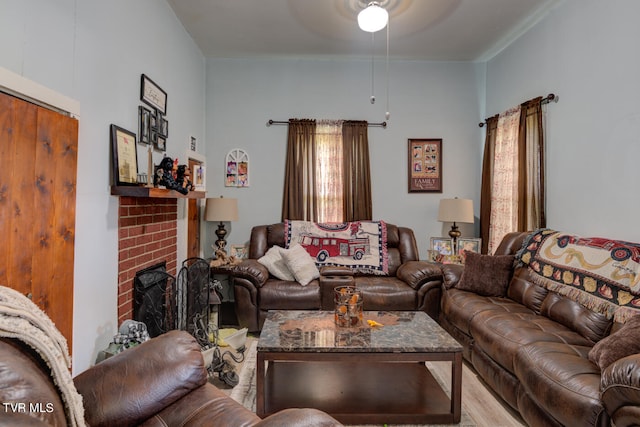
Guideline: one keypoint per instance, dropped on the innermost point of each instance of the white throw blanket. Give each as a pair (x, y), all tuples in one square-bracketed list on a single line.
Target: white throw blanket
[(21, 319)]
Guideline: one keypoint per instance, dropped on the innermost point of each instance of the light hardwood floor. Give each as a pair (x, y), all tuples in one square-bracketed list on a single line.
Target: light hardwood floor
[(479, 401)]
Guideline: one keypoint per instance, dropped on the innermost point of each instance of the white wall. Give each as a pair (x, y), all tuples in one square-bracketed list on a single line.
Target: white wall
[(94, 52), (586, 52), (427, 100)]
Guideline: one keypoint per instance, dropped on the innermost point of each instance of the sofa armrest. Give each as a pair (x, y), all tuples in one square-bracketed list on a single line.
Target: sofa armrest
[(451, 274), (299, 417), (252, 271), (131, 386), (620, 389), (415, 273)]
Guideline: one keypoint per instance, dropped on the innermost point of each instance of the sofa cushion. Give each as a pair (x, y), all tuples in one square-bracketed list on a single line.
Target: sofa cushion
[(523, 290), (623, 343), (575, 316), (276, 264), (559, 378), (501, 334), (460, 307), (386, 293), (301, 265), (283, 295), (486, 274)]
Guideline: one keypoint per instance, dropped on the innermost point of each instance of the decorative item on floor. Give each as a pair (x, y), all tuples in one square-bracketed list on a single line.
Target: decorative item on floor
[(164, 176), (125, 156), (221, 209), (455, 210), (214, 358), (348, 306), (130, 334), (425, 165), (237, 168)]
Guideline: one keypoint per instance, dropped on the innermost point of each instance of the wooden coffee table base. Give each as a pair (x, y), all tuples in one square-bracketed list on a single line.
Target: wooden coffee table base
[(360, 391)]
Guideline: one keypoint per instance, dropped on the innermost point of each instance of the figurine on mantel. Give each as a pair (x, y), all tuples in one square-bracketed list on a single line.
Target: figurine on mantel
[(184, 177), (164, 176)]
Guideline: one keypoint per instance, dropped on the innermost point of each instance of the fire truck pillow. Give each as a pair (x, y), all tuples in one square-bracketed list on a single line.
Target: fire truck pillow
[(359, 245), (301, 264), (275, 263)]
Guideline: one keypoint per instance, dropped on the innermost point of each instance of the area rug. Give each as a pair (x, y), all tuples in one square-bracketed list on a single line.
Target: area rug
[(245, 391)]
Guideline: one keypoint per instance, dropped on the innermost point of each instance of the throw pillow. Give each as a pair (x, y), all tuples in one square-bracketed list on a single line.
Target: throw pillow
[(276, 264), (486, 275), (622, 343), (301, 264)]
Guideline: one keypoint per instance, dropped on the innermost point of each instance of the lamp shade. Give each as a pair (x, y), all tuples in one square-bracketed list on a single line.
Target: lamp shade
[(456, 210), (221, 209), (373, 18)]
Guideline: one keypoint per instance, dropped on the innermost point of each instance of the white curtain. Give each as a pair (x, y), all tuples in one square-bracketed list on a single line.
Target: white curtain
[(329, 173), (504, 189)]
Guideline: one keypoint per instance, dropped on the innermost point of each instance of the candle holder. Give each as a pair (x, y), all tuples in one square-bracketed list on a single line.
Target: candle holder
[(348, 306)]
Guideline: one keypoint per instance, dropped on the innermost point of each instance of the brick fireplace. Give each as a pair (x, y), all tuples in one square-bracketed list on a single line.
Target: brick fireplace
[(147, 233)]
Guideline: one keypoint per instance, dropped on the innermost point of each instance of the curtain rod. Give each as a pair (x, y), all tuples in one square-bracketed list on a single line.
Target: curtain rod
[(280, 122), (549, 98)]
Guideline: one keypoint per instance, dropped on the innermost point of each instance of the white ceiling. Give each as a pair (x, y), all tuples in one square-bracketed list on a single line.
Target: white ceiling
[(440, 30)]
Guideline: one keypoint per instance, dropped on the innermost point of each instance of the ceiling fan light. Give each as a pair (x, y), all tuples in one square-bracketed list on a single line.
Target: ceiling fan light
[(373, 18)]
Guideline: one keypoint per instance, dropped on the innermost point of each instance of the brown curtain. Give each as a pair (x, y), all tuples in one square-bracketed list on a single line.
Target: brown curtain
[(531, 171), (298, 201), (357, 174), (487, 175), (531, 195)]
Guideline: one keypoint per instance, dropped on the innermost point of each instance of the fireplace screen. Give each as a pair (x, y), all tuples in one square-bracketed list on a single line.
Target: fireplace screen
[(163, 303)]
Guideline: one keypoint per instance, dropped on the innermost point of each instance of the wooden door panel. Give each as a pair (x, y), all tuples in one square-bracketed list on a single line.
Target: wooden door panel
[(193, 221), (38, 206)]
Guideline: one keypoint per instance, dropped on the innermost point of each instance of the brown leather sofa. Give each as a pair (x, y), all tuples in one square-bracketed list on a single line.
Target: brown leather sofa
[(410, 285), (161, 382), (531, 347)]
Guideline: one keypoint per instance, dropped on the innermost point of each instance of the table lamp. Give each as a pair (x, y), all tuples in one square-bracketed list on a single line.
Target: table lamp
[(455, 210), (221, 209)]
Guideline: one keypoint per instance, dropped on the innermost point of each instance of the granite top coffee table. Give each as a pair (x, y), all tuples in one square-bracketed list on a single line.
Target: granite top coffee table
[(358, 375)]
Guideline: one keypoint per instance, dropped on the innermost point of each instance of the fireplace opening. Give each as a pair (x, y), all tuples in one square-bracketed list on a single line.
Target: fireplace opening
[(156, 299)]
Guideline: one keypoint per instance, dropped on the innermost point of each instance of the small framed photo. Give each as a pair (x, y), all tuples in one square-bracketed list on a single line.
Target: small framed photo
[(239, 251), (152, 94), (193, 143), (160, 142), (125, 156), (200, 177), (469, 244), (163, 127), (144, 125), (442, 245)]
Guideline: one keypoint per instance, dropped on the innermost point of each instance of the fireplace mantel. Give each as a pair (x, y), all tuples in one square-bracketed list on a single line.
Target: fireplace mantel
[(134, 191)]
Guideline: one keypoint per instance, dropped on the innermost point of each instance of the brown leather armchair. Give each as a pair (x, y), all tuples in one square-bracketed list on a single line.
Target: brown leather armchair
[(410, 285), (161, 382)]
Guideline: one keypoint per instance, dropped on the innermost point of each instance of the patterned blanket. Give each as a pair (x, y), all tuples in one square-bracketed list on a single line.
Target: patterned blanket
[(601, 274), (360, 245)]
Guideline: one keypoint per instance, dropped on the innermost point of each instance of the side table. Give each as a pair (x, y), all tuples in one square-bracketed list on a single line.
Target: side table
[(227, 308)]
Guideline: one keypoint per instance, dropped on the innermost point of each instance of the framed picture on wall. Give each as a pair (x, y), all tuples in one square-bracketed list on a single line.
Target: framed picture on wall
[(199, 177), (425, 165), (124, 155), (144, 125), (152, 94)]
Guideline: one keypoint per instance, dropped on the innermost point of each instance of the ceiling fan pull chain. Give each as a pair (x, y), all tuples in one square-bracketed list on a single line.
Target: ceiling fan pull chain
[(373, 97)]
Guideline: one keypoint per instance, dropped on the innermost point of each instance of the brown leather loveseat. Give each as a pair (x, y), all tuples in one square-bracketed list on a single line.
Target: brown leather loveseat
[(532, 346), (410, 284), (161, 382)]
